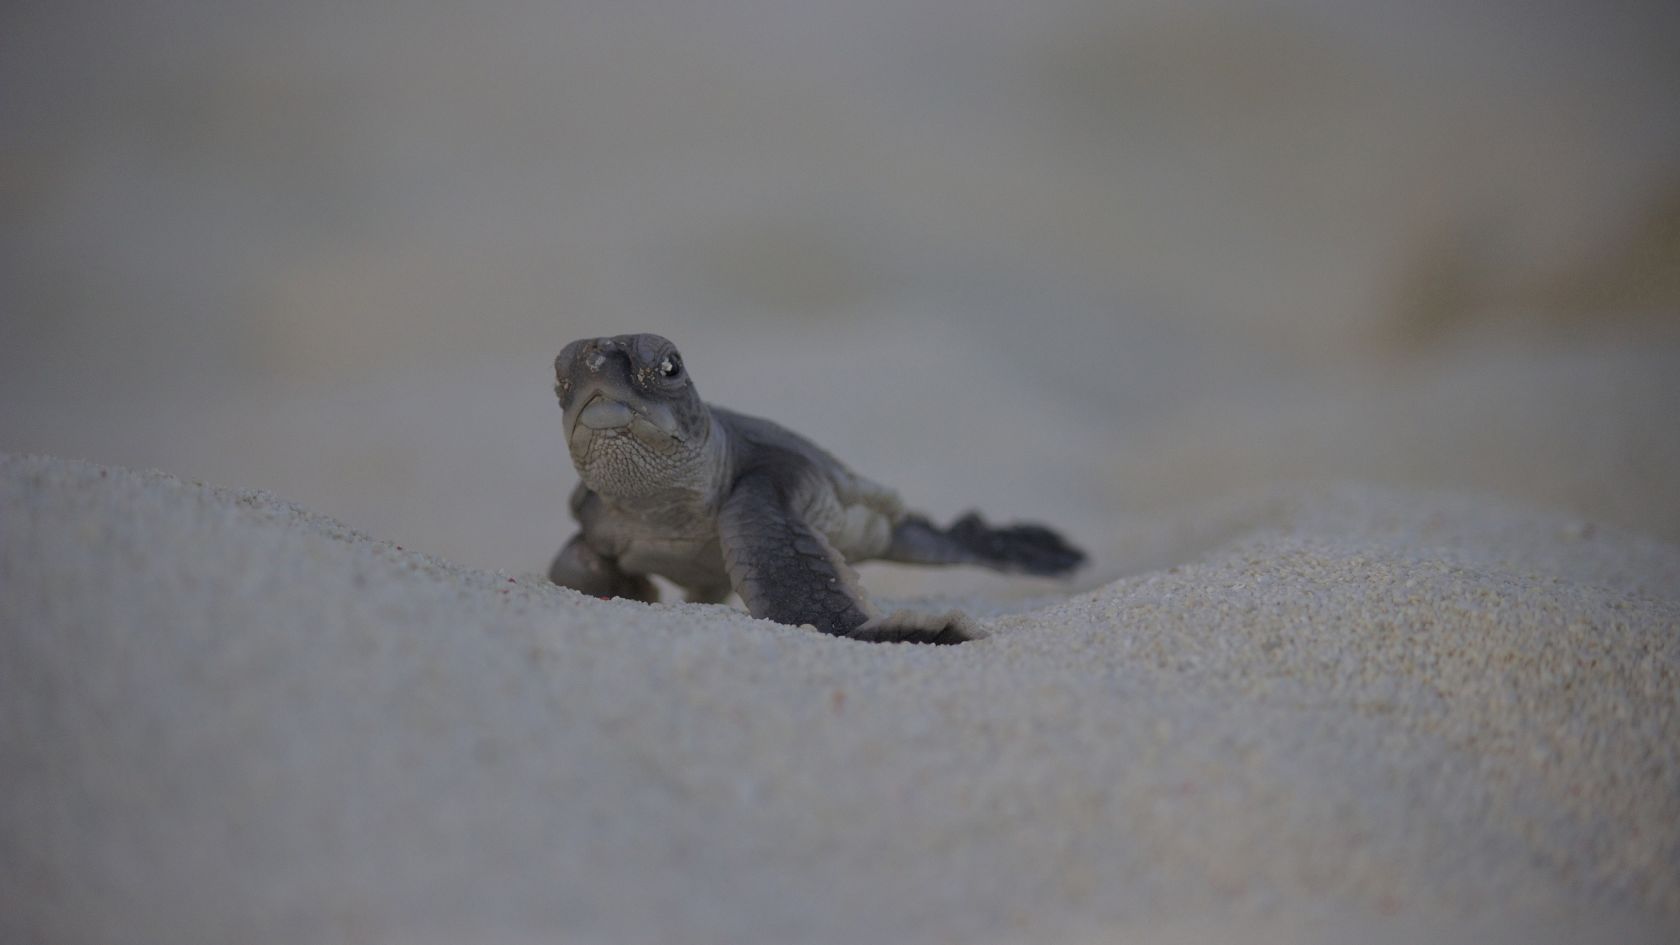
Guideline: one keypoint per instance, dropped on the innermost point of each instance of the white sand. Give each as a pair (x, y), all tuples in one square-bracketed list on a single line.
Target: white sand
[(1371, 714)]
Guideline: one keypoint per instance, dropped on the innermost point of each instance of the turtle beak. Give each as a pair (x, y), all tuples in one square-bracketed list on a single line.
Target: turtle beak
[(597, 407), (604, 413)]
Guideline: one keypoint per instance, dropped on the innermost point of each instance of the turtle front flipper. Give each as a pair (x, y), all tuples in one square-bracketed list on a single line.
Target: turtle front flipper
[(786, 571), (581, 568)]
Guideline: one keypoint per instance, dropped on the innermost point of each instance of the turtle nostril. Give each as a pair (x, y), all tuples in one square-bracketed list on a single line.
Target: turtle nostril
[(597, 352)]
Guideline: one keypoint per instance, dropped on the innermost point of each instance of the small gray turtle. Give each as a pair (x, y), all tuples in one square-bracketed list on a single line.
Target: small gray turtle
[(717, 501)]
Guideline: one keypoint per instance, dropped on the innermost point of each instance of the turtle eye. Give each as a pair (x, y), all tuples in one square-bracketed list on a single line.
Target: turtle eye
[(671, 366)]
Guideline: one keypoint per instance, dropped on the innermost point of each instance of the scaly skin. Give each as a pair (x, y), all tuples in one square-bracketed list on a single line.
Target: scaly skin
[(718, 501)]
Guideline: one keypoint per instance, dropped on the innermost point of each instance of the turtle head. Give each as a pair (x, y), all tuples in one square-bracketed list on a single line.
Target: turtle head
[(632, 416)]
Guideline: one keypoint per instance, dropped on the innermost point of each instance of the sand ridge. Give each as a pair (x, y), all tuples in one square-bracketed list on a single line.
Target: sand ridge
[(1379, 711)]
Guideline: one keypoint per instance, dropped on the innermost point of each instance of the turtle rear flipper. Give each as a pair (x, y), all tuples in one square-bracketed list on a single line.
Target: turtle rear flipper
[(1016, 549)]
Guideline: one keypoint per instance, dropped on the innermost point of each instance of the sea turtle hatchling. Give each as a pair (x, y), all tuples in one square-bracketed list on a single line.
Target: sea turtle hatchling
[(717, 501)]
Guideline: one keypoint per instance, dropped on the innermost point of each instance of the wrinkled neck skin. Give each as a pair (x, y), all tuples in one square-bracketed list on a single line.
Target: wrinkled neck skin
[(643, 472)]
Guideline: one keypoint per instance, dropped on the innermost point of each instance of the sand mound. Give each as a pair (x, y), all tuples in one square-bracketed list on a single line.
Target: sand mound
[(1372, 714)]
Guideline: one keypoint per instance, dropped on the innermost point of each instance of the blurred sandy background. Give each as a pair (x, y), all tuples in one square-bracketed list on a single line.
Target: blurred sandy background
[(1087, 262)]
